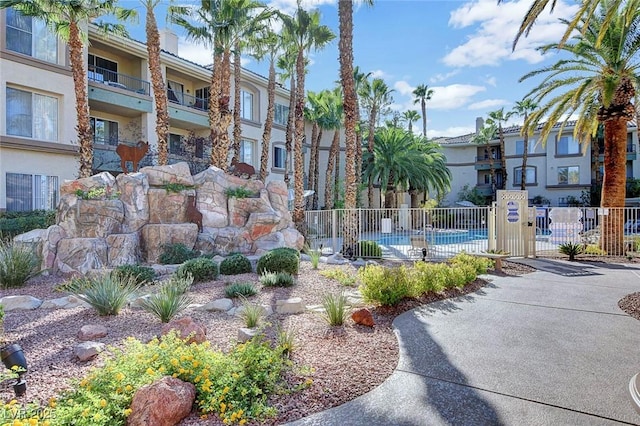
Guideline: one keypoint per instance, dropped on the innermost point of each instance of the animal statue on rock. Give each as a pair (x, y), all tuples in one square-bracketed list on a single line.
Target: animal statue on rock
[(241, 169), (133, 153), (193, 214)]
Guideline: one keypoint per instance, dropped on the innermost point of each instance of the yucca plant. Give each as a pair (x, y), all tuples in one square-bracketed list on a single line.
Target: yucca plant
[(251, 313), (17, 264), (335, 309), (314, 256), (106, 293), (170, 300), (239, 290), (571, 249), (277, 279), (286, 340)]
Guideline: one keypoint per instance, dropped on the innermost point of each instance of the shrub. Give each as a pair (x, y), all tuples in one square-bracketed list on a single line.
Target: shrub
[(335, 309), (106, 293), (170, 300), (339, 275), (201, 269), (251, 313), (314, 257), (235, 264), (239, 192), (142, 274), (571, 249), (461, 274), (429, 277), (279, 260), (17, 264), (369, 249), (16, 223), (176, 253), (386, 286), (286, 341), (593, 249), (176, 187), (279, 279), (239, 290), (480, 264)]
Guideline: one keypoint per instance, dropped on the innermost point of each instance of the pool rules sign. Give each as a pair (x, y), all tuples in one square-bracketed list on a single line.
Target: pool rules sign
[(512, 222)]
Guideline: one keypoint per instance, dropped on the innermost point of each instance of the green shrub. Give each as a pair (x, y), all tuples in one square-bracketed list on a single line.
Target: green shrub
[(277, 279), (339, 275), (106, 293), (286, 340), (16, 223), (571, 249), (170, 300), (17, 264), (239, 192), (594, 250), (201, 269), (240, 290), (251, 313), (462, 274), (98, 193), (235, 264), (176, 253), (386, 286), (480, 264), (142, 274), (335, 309), (368, 249), (235, 386), (429, 277), (176, 187), (282, 259), (314, 256)]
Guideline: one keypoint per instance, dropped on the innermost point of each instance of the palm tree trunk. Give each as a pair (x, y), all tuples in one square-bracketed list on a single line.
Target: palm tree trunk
[(225, 113), (268, 122), (312, 162), (215, 102), (159, 89), (613, 186), (503, 158), (237, 126), (372, 131), (423, 105), (291, 123), (316, 171), (336, 178), (82, 100), (328, 186), (492, 173), (298, 175), (525, 155)]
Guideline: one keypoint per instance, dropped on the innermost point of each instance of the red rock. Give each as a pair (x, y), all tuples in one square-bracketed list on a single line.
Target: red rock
[(163, 403), (186, 328), (363, 317), (92, 331)]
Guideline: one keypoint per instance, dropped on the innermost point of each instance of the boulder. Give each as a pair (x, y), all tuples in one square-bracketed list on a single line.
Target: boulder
[(52, 237), (186, 328), (12, 303), (206, 241), (81, 255), (92, 332), (90, 218), (231, 240), (86, 351), (154, 237), (292, 305), (279, 198), (67, 302), (139, 301), (241, 208), (212, 200), (178, 173), (268, 242), (363, 317), (221, 305), (133, 188), (261, 224), (168, 207), (293, 238), (163, 403), (101, 180), (123, 249), (246, 334)]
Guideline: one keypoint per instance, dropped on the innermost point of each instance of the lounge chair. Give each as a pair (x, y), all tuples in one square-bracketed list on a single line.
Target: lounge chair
[(419, 246)]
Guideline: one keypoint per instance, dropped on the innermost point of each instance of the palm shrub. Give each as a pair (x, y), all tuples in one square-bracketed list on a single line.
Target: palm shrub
[(571, 249), (142, 274), (174, 254), (201, 269), (170, 300), (106, 293), (235, 264), (277, 279), (335, 309), (282, 259), (239, 290), (17, 264)]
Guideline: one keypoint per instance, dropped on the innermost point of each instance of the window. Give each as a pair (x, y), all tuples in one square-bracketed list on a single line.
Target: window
[(104, 131), (569, 175), (31, 192), (566, 145), (100, 69), (175, 144), (31, 115), (531, 145), (530, 176), (246, 152), (281, 114), (175, 91), (202, 99), (279, 157), (246, 105), (30, 37)]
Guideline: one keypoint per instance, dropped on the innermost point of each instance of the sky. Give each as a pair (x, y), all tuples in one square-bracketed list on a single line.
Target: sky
[(460, 49)]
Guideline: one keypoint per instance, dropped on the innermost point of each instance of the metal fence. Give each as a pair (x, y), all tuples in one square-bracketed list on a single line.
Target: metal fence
[(440, 233)]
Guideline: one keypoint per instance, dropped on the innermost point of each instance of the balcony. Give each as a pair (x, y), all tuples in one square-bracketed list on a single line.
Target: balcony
[(118, 93), (631, 153), (186, 111), (484, 163), (484, 190), (120, 81), (187, 100)]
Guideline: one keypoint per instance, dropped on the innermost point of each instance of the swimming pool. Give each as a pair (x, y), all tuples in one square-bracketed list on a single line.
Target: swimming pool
[(437, 237)]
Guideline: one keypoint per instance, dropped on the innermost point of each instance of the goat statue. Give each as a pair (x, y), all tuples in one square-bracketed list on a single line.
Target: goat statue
[(133, 153)]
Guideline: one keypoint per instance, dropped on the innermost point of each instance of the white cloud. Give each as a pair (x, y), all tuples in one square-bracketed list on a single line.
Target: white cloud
[(403, 88), (444, 97), (441, 77), (379, 74), (497, 24), (490, 80), (488, 103), (197, 53), (450, 131), (290, 6)]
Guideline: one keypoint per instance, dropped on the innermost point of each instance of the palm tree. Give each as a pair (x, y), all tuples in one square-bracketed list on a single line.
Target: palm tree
[(313, 114), (597, 82), (332, 119), (423, 94), (67, 20), (359, 78), (523, 108), (403, 161), (287, 63), (410, 116), (306, 33), (484, 137), (498, 116)]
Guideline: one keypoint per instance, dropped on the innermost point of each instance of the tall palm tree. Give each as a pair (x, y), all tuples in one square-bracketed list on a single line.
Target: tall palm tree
[(410, 116), (597, 82), (313, 114), (306, 33), (67, 20), (332, 118), (287, 63), (499, 116), (359, 78), (484, 137), (422, 94), (523, 108)]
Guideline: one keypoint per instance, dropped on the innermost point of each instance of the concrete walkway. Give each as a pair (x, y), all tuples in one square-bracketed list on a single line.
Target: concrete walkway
[(547, 348)]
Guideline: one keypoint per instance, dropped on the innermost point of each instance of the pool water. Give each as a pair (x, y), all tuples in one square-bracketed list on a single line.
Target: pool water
[(437, 237)]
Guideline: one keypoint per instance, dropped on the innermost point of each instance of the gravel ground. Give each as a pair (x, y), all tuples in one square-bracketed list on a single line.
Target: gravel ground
[(343, 362)]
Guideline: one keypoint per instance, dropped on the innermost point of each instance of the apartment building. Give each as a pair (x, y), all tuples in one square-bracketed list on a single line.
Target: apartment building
[(559, 169), (38, 143)]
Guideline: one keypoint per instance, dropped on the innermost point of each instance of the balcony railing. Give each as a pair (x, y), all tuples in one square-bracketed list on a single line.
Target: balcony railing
[(190, 101), (118, 80)]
